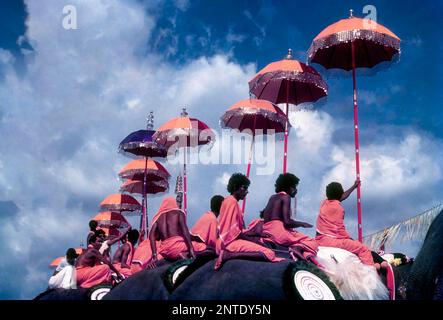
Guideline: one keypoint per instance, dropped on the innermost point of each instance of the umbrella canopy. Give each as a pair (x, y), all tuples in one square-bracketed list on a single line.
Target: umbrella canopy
[(135, 170), (254, 114), (373, 43), (111, 219), (152, 187), (57, 261), (120, 202), (288, 81), (188, 132), (141, 142)]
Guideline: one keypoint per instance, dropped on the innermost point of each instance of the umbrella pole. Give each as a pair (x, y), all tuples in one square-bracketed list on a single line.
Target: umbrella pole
[(185, 192), (357, 147), (143, 219), (285, 154), (248, 170)]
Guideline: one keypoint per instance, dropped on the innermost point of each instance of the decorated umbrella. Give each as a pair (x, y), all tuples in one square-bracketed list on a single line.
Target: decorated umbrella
[(57, 261), (109, 219), (141, 169), (291, 82), (141, 143), (254, 114), (349, 44), (184, 132), (152, 187), (121, 202)]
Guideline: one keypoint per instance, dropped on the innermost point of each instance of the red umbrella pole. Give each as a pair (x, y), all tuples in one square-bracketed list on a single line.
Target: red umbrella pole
[(357, 147), (185, 194), (143, 217), (285, 154), (248, 170)]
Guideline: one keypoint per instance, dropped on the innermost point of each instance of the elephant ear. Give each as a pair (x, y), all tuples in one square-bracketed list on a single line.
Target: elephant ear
[(427, 268)]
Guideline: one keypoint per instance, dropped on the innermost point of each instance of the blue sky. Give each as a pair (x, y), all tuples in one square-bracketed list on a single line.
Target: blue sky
[(68, 97)]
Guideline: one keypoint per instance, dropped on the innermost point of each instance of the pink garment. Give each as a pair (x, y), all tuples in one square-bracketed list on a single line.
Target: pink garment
[(88, 277), (330, 220), (241, 245), (174, 247), (142, 256), (348, 244), (284, 237), (126, 272), (206, 229)]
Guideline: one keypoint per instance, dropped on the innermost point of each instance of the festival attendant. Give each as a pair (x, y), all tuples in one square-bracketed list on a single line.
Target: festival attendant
[(206, 228), (331, 231), (65, 275), (278, 224), (92, 267), (93, 225), (169, 227), (234, 240), (123, 256)]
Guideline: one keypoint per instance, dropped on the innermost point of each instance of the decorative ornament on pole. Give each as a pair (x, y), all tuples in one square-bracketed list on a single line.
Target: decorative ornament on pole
[(184, 112), (351, 13), (150, 121), (179, 187), (289, 55)]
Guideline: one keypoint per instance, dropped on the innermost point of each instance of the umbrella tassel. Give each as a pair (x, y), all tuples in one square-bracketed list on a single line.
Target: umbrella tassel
[(357, 147)]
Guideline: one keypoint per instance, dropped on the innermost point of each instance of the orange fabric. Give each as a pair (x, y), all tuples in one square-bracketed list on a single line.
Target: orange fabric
[(126, 272), (240, 245), (168, 204), (286, 65), (354, 24), (206, 228), (118, 198), (284, 237), (173, 247), (139, 164), (88, 277), (142, 255), (255, 104), (230, 220), (330, 220), (347, 244), (109, 218)]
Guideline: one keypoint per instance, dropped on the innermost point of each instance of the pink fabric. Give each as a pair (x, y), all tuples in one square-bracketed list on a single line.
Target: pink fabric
[(348, 244), (206, 229), (330, 220), (248, 246), (173, 247), (230, 220), (126, 272), (284, 237), (88, 277)]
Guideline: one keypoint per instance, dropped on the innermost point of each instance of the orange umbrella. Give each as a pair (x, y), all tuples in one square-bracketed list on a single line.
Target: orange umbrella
[(349, 44), (184, 132), (254, 114), (291, 82), (152, 187), (120, 202), (109, 219), (135, 170), (57, 261)]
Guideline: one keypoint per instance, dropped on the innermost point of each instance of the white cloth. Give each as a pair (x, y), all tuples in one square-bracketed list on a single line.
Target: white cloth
[(63, 263), (104, 247), (66, 278)]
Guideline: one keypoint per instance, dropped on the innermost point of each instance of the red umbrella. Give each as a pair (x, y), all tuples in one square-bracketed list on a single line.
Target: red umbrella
[(109, 219), (138, 169), (184, 132), (152, 187), (120, 202), (348, 44), (254, 114), (288, 81)]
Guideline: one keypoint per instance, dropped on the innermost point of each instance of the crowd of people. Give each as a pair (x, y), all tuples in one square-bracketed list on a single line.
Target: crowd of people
[(221, 231)]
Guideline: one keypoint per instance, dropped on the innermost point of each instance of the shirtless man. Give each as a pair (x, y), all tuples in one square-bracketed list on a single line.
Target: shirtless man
[(89, 270), (169, 227), (123, 256), (108, 242), (278, 224)]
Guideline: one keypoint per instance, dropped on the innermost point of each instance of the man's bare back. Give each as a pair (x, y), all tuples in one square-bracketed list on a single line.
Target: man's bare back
[(89, 258), (170, 225)]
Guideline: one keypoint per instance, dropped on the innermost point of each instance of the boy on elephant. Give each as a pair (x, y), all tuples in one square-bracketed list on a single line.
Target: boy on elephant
[(234, 240), (331, 231), (123, 256), (277, 222), (169, 227)]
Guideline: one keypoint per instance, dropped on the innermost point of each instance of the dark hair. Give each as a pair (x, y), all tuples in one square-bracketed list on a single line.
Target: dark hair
[(133, 235), (236, 181), (285, 181), (334, 191), (216, 202), (100, 232), (92, 239), (93, 225), (71, 253)]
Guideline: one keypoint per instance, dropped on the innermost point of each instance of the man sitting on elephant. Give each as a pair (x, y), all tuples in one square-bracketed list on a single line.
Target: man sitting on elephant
[(169, 227), (123, 256), (331, 231), (206, 228), (278, 223), (234, 240)]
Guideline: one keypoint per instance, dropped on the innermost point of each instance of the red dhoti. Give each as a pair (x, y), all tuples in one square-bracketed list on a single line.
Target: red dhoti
[(88, 277), (126, 272), (175, 247), (246, 246), (284, 237), (142, 256)]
